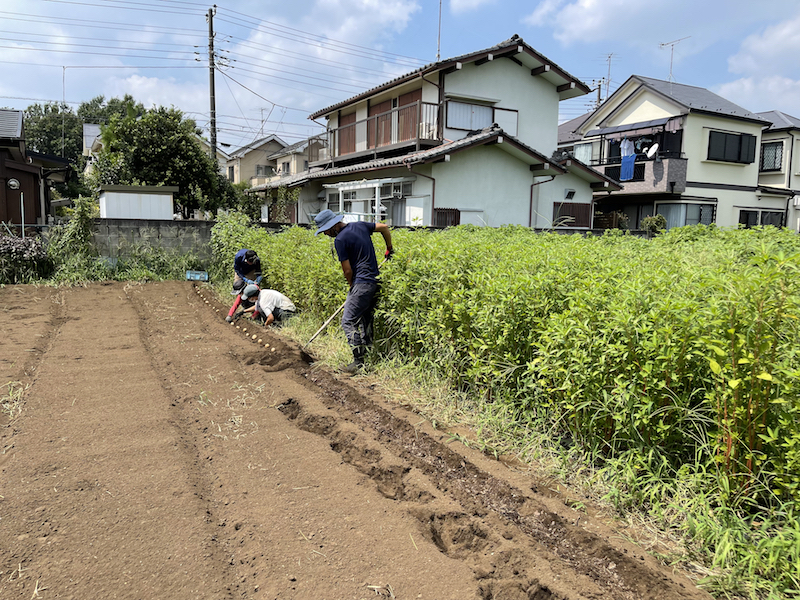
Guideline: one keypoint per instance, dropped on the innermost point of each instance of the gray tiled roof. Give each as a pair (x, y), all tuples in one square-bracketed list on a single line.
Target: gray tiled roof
[(296, 147), (245, 149), (513, 40), (697, 98), (10, 124), (566, 131), (780, 120)]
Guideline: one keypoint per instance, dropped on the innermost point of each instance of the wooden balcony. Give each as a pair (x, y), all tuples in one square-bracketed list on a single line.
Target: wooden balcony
[(399, 130), (660, 175)]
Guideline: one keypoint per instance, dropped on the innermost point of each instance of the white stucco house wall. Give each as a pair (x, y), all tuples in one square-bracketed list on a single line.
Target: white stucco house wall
[(696, 156), (465, 140), (779, 160)]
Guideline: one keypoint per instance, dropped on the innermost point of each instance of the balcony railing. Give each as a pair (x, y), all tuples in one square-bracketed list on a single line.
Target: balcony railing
[(406, 125), (660, 175)]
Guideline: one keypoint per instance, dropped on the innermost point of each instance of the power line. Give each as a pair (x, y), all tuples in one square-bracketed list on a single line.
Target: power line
[(327, 40), (333, 48), (259, 95), (117, 7)]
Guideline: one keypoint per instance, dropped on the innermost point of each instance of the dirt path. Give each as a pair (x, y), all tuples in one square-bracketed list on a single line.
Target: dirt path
[(164, 454)]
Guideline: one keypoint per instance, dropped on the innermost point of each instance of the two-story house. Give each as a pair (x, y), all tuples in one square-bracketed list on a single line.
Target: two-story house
[(254, 161), (680, 151), (779, 161), (469, 139)]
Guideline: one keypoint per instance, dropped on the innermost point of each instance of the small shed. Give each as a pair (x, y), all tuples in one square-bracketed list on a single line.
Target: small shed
[(137, 202)]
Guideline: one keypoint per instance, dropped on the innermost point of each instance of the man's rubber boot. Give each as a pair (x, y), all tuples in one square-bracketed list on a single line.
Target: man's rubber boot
[(358, 361)]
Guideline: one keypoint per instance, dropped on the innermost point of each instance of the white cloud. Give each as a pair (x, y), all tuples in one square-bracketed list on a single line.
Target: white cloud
[(772, 51), (760, 94), (463, 6), (155, 91), (541, 14)]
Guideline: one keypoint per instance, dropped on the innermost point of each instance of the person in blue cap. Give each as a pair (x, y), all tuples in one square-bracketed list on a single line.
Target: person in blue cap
[(360, 268)]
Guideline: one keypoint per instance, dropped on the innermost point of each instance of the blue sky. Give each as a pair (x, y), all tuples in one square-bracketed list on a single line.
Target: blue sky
[(284, 60)]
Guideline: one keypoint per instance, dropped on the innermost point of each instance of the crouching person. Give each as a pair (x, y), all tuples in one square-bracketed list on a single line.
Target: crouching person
[(270, 306)]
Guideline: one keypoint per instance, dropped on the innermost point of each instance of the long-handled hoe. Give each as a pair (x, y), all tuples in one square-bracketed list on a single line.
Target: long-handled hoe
[(303, 352)]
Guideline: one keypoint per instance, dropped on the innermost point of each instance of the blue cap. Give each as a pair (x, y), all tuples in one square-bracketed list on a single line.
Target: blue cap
[(326, 219)]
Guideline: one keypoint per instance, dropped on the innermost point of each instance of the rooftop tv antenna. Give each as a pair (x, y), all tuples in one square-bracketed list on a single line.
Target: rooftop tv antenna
[(439, 39), (672, 53)]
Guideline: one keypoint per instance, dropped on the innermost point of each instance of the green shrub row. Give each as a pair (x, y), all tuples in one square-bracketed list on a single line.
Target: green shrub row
[(671, 360)]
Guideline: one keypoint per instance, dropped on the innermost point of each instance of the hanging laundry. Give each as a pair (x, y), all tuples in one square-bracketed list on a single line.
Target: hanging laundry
[(626, 147), (626, 170)]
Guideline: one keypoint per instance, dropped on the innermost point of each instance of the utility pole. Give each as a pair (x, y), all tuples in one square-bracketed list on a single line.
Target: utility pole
[(213, 124)]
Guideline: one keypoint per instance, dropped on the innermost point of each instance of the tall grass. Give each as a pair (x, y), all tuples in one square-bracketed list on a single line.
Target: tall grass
[(670, 364)]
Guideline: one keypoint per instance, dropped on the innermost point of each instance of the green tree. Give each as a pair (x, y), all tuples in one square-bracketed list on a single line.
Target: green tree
[(161, 148), (99, 111)]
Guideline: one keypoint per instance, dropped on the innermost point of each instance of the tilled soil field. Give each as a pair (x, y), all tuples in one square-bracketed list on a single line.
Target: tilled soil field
[(163, 454)]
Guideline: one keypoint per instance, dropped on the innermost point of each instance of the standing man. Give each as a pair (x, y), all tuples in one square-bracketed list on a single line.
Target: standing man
[(246, 271), (360, 267)]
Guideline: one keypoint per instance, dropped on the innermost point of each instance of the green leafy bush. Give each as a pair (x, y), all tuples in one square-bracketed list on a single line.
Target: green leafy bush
[(671, 363)]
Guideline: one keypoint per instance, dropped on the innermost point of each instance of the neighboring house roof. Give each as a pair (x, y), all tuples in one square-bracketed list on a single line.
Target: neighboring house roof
[(296, 148), (258, 143), (514, 47), (780, 121), (566, 131), (10, 124), (206, 144), (489, 135), (587, 173), (690, 98)]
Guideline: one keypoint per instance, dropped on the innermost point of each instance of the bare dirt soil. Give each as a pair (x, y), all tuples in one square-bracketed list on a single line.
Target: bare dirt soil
[(164, 454)]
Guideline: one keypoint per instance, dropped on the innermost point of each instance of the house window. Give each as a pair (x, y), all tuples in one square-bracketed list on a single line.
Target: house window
[(399, 189), (230, 173), (583, 152), (262, 170), (771, 156), (347, 200), (468, 116), (333, 201), (753, 218), (731, 147), (678, 215), (305, 165), (569, 194), (285, 168)]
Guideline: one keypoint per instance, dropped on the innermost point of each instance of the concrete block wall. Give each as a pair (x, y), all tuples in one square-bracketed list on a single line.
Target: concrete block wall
[(113, 236)]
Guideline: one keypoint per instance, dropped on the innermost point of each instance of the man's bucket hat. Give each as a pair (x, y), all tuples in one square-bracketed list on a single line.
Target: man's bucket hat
[(326, 219)]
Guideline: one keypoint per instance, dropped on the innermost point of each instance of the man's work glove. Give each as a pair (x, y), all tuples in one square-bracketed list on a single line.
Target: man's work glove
[(388, 253), (258, 279)]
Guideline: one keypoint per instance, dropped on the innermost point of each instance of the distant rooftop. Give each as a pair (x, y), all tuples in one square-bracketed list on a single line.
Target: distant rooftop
[(10, 124), (780, 120)]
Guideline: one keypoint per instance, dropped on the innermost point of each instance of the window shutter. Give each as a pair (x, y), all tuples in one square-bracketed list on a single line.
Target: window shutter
[(733, 147), (748, 148), (716, 145)]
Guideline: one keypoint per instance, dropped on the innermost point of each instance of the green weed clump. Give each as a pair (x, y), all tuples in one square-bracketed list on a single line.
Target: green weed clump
[(670, 364)]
